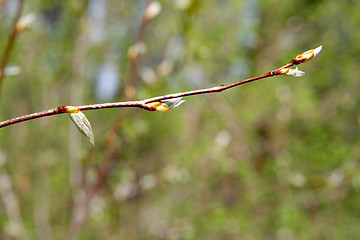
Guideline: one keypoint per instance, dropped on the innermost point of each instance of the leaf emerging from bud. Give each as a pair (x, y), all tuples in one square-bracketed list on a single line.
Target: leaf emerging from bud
[(292, 72), (83, 124), (165, 105), (173, 102)]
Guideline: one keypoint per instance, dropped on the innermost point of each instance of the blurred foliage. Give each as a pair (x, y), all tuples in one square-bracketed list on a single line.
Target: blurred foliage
[(274, 159)]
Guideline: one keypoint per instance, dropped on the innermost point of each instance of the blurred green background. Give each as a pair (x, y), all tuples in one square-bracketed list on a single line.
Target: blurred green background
[(273, 159)]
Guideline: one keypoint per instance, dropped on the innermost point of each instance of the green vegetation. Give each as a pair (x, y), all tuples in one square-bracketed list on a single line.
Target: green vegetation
[(273, 159)]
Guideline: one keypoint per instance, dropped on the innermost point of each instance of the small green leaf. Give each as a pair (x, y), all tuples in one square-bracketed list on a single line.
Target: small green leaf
[(83, 124)]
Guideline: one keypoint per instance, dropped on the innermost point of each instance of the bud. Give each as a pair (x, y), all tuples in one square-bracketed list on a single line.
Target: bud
[(25, 21), (71, 109), (152, 10), (148, 75), (82, 123), (12, 70), (183, 4), (305, 56), (165, 105), (317, 50), (292, 72), (135, 50), (165, 68)]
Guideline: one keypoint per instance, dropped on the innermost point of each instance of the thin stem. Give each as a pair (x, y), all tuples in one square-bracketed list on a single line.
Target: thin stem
[(142, 103), (139, 104), (29, 117), (218, 88), (207, 90)]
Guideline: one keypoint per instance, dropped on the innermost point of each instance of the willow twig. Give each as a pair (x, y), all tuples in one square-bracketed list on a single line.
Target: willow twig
[(145, 103)]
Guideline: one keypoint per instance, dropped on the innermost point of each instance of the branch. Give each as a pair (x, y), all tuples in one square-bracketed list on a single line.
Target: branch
[(167, 102), (135, 50)]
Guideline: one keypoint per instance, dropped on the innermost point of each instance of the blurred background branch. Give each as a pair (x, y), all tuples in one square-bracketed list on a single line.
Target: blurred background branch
[(11, 39), (15, 226)]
